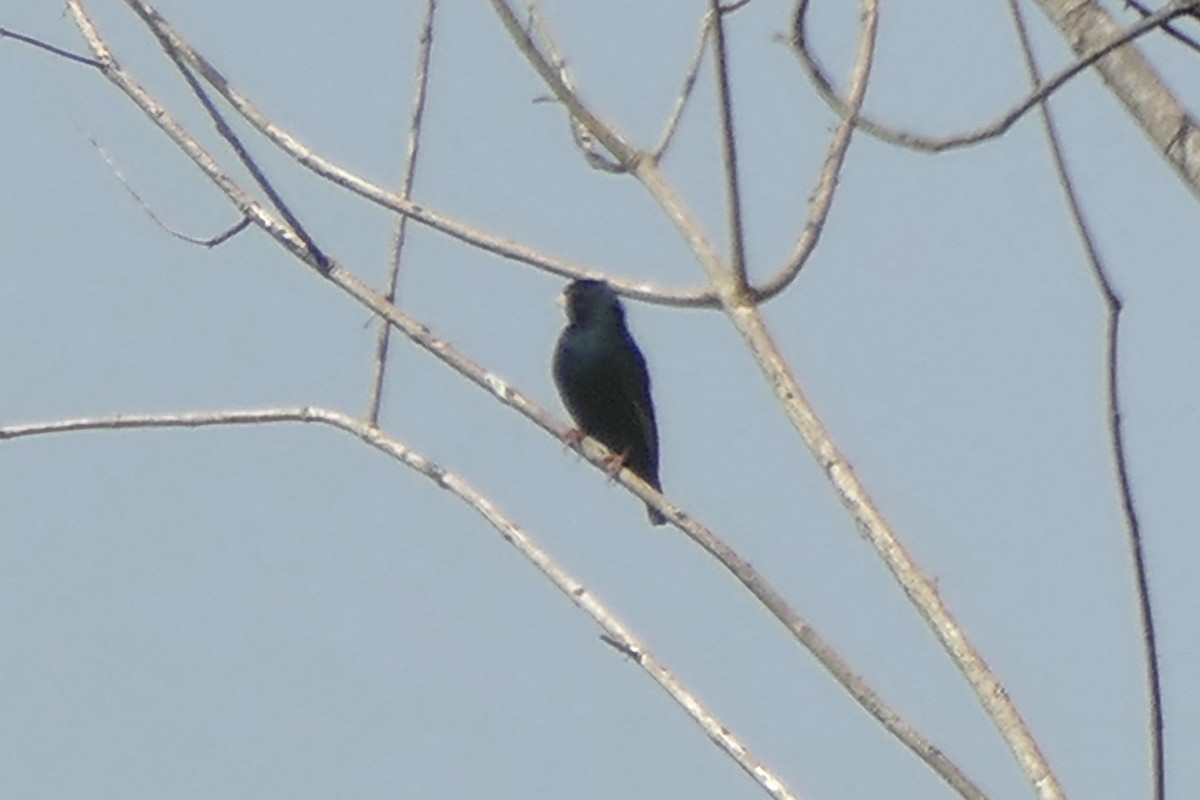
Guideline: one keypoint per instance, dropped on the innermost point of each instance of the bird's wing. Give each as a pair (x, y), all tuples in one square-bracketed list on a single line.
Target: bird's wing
[(636, 387)]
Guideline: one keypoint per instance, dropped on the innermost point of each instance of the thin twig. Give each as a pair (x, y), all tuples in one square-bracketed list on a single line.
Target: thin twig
[(1113, 306), (1167, 27), (550, 73), (936, 144), (231, 138), (733, 192), (579, 133), (685, 92), (5, 33), (640, 165), (615, 631), (424, 52), (822, 196), (209, 242)]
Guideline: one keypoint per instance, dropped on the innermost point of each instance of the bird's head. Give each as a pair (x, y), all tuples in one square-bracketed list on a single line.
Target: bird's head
[(591, 301)]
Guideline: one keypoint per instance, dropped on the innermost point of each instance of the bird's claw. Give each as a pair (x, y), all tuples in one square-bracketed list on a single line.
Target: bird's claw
[(573, 437), (614, 463)]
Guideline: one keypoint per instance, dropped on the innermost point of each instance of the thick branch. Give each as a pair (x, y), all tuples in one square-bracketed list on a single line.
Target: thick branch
[(1087, 27)]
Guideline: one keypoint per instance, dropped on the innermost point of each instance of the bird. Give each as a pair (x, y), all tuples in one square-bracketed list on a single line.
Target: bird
[(602, 379)]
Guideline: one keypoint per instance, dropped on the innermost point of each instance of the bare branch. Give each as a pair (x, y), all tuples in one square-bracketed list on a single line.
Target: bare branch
[(685, 93), (424, 52), (338, 274), (746, 318), (990, 693), (640, 164), (579, 134), (1102, 46), (497, 387), (491, 243), (1167, 27), (320, 260), (1112, 391), (1169, 125), (733, 193), (822, 197), (210, 242), (5, 33), (615, 631), (552, 74)]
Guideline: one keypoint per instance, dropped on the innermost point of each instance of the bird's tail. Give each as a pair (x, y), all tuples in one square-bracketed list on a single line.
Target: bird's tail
[(656, 517)]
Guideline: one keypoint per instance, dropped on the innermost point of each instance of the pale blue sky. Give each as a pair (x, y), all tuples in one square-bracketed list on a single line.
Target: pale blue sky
[(282, 612)]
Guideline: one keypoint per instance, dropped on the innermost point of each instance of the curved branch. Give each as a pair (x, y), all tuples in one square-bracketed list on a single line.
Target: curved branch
[(685, 91), (616, 632), (225, 130), (1095, 39), (208, 242), (831, 170)]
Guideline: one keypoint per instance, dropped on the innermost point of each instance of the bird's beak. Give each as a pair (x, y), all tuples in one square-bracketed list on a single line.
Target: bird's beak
[(560, 299)]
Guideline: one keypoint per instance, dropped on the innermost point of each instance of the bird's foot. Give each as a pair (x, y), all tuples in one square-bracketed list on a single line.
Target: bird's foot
[(573, 437), (614, 463)]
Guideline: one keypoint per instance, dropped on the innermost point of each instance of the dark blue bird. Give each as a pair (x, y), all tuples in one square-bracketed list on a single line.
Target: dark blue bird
[(602, 379)]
